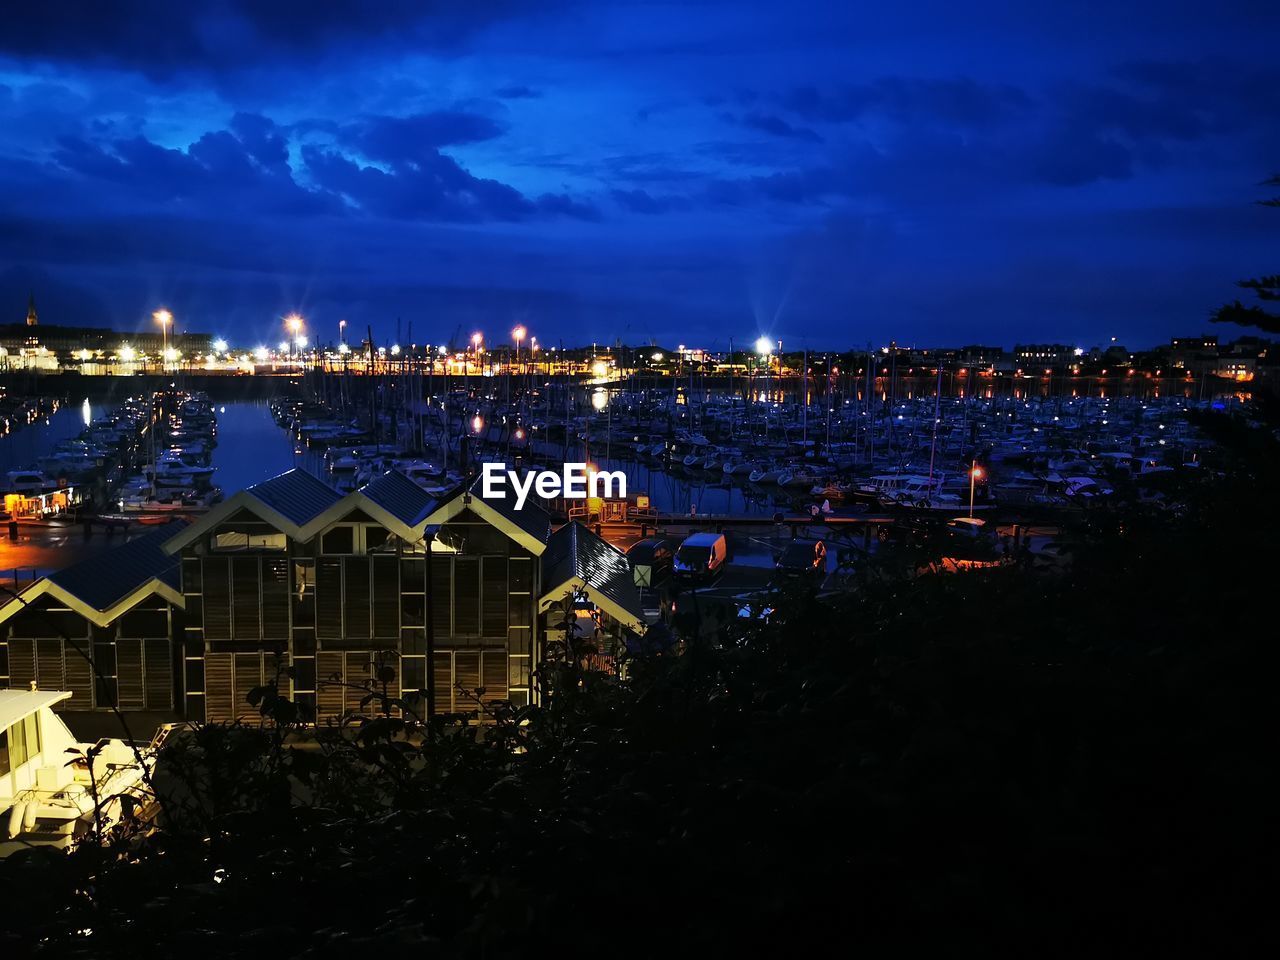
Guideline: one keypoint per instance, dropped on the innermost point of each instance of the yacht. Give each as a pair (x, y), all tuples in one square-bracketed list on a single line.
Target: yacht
[(48, 781)]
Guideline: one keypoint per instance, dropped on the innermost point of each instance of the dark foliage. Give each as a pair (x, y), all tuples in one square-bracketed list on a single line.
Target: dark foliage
[(1056, 764), (1266, 289)]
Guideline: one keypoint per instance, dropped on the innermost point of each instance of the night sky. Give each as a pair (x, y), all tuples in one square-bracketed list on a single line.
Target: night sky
[(826, 173)]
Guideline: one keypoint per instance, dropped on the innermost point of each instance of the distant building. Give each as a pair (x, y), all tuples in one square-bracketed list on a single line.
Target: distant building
[(1201, 344), (981, 356), (1042, 353), (1237, 368), (32, 318)]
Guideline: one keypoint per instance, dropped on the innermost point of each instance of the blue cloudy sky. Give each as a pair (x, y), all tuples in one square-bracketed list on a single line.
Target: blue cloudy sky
[(826, 173)]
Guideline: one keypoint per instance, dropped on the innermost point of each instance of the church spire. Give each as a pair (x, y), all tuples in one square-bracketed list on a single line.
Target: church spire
[(32, 318)]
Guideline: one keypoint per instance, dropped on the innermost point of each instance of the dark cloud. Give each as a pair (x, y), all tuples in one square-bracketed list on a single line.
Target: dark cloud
[(395, 139), (775, 125), (517, 92), (163, 39), (641, 201), (960, 101), (431, 187)]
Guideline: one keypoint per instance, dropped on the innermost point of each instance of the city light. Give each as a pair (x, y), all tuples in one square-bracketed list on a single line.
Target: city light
[(220, 346), (477, 339), (343, 348), (395, 349), (477, 423), (162, 317), (301, 342), (127, 353), (764, 346), (294, 322), (261, 353), (284, 346)]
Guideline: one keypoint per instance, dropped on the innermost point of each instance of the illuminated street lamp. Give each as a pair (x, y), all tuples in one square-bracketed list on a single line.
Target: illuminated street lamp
[(517, 335), (975, 474), (342, 331), (219, 346), (293, 323), (164, 318)]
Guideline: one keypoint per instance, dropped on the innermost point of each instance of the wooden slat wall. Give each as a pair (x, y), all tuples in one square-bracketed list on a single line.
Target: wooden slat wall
[(248, 668), (49, 671), (245, 603), (329, 598), (217, 598), (129, 674), (466, 596), (494, 599), (79, 677), (494, 675), (219, 692), (158, 674), (22, 664), (275, 598), (444, 682), (441, 596), (328, 696), (466, 674), (386, 597), (356, 583)]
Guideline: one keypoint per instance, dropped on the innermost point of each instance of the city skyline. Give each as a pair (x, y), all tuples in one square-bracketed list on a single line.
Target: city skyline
[(635, 173)]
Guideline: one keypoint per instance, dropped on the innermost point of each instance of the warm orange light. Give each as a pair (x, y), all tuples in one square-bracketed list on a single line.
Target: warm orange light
[(162, 317), (294, 322), (476, 338), (518, 334), (977, 473)]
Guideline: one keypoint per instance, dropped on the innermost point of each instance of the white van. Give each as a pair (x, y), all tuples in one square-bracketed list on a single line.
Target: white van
[(701, 556)]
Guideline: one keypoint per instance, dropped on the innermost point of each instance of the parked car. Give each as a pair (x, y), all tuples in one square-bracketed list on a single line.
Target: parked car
[(701, 557), (802, 559), (651, 561)]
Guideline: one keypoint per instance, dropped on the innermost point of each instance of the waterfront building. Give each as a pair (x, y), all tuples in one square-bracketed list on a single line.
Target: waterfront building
[(328, 594), (118, 609)]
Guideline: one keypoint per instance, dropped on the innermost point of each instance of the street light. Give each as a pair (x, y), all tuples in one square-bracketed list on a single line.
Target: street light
[(164, 318), (293, 322), (342, 331), (975, 474)]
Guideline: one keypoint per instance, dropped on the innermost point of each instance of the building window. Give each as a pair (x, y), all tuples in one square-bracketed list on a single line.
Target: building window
[(339, 540)]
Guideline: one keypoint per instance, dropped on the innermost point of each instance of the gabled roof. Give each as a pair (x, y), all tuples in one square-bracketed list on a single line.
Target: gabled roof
[(108, 584), (577, 558), (532, 519), (530, 527), (296, 495), (399, 496), (295, 502), (300, 506)]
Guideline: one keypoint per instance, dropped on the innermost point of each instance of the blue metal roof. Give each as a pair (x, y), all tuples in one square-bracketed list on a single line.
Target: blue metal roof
[(532, 519), (400, 497), (296, 495), (106, 578), (576, 552)]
